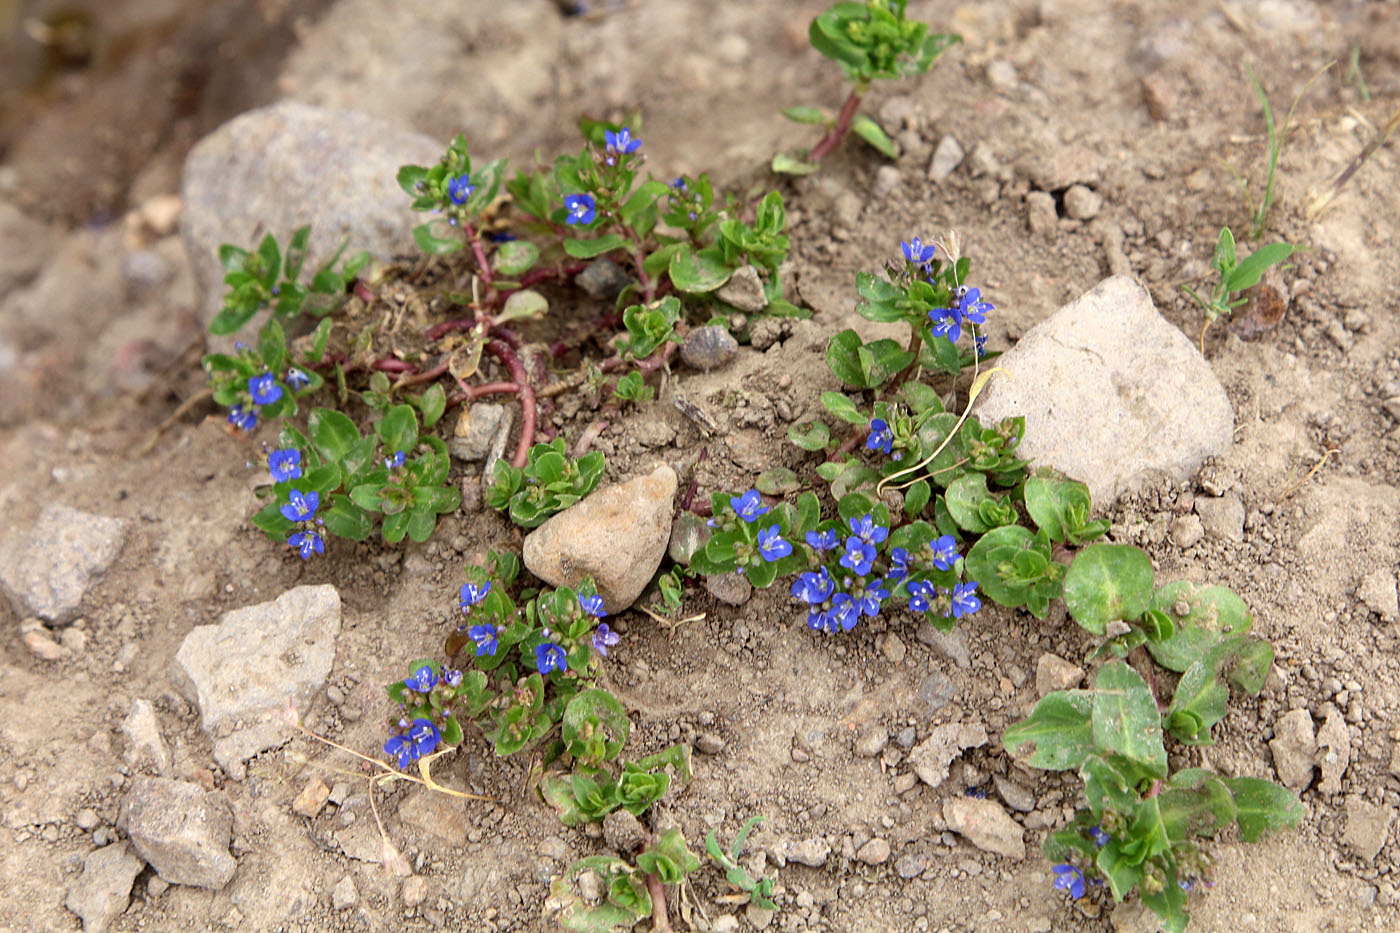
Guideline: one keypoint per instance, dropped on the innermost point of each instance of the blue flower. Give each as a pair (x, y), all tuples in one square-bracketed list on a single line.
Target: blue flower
[(869, 601), (866, 529), (899, 566), (772, 545), (971, 307), (395, 461), (814, 587), (916, 252), (964, 603), (307, 543), (979, 345), (881, 437), (605, 638), (593, 605), (460, 188), (945, 552), (858, 556), (422, 679), (946, 323), (284, 464), (1100, 837), (264, 389), (749, 506), (472, 594), (816, 619), (1068, 878), (844, 613), (297, 379), (452, 677), (920, 596), (422, 737), (678, 184), (581, 207), (550, 657), (622, 141), (300, 506), (484, 637), (243, 420), (823, 540)]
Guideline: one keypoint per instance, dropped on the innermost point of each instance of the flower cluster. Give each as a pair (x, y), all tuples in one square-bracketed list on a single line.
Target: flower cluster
[(967, 308), (284, 464)]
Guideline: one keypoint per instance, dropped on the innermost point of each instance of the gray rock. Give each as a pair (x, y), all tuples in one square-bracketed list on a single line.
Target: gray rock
[(936, 690), (243, 671), (873, 742), (887, 179), (615, 535), (273, 169), (1334, 750), (1187, 530), (1016, 797), (590, 886), (946, 158), (181, 830), (911, 865), (932, 757), (724, 923), (744, 290), (709, 347), (709, 743), (478, 426), (810, 852), (1001, 74), (1111, 391), (47, 571), (1222, 518), (1041, 218), (1293, 748), (1367, 826), (103, 891), (603, 279), (1082, 202), (145, 748), (146, 269), (732, 589), (344, 895), (1053, 672), (986, 825), (894, 648), (951, 645), (623, 832), (415, 891), (874, 852), (1378, 592)]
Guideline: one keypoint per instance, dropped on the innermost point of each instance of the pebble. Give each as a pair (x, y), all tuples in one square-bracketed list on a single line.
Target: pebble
[(74, 640), (906, 737), (101, 894), (414, 891), (1378, 592), (725, 923), (478, 427), (874, 852), (42, 646), (936, 690), (894, 649), (1016, 796), (873, 742), (1222, 518), (932, 757), (1041, 218), (590, 886), (744, 290), (708, 743), (47, 571), (810, 852), (1367, 826), (1053, 672), (181, 830), (145, 748), (911, 865), (87, 819), (709, 347), (732, 589), (603, 279), (951, 645), (947, 156), (1293, 748), (1082, 202), (887, 180), (1001, 74), (1334, 746), (344, 895), (1187, 530), (311, 799), (623, 832), (905, 783), (986, 825)]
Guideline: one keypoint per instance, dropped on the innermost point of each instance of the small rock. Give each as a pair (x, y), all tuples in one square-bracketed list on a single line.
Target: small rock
[(554, 847), (42, 646), (74, 640), (873, 742), (1082, 202), (145, 749), (905, 783), (103, 891), (744, 290), (708, 743), (986, 825), (874, 852), (603, 279), (157, 886), (894, 648), (932, 757), (87, 819), (623, 832), (311, 799), (1041, 218), (478, 426), (1053, 672), (911, 865), (1187, 530), (1367, 826), (161, 213), (616, 535), (936, 690), (951, 645), (810, 852), (709, 347), (344, 895), (732, 589), (1334, 750), (48, 571), (590, 886), (759, 917), (947, 156), (1222, 518), (906, 737), (182, 830), (1378, 592), (414, 891), (1293, 748), (887, 179), (1001, 74), (146, 269), (725, 923), (983, 162), (1016, 797)]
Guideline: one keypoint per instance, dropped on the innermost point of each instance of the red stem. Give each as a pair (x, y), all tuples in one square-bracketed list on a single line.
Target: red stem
[(479, 251), (503, 352), (660, 920), (833, 137)]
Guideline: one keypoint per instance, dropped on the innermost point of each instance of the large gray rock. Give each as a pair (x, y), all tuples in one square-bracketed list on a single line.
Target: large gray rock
[(243, 671), (1110, 391), (47, 571), (103, 891), (615, 535), (273, 169), (182, 830)]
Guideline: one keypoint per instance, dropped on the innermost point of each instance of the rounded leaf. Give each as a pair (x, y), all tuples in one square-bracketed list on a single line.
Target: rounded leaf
[(1108, 582)]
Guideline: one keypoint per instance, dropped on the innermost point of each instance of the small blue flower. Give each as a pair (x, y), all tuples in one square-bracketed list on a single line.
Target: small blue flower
[(307, 543), (1070, 879), (460, 188), (945, 552), (582, 208), (899, 566), (264, 389), (814, 587), (297, 379), (916, 252), (979, 345), (501, 236), (971, 307), (866, 529), (946, 323), (881, 437), (823, 540), (422, 737), (772, 546), (679, 184), (844, 613), (1100, 837), (472, 594), (920, 596), (300, 506), (869, 601), (550, 657), (1185, 883), (484, 637), (816, 619), (395, 461), (605, 638), (749, 506), (858, 556), (593, 605), (622, 141), (964, 603), (452, 677), (422, 680), (284, 464), (243, 420)]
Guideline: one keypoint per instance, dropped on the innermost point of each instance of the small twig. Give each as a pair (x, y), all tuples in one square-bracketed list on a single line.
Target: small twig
[(838, 132), (1311, 473)]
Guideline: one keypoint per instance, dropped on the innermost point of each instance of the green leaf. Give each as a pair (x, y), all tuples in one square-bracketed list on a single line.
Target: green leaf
[(1108, 582), (319, 338), (963, 498), (271, 259), (785, 163), (777, 481), (1263, 807), (842, 407), (1126, 720), (296, 252), (1211, 613), (272, 347), (399, 429), (1049, 497), (1251, 269), (230, 318), (814, 436), (850, 360), (522, 305), (345, 519), (428, 243), (332, 433), (1060, 728), (421, 523), (1106, 786), (698, 272), (232, 258), (597, 708), (515, 257), (432, 405), (1169, 904), (587, 249), (1120, 870), (916, 497), (808, 115), (921, 398), (870, 131), (984, 560), (1197, 803)]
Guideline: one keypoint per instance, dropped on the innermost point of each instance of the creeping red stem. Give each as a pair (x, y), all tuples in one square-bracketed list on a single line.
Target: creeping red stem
[(833, 137), (503, 352)]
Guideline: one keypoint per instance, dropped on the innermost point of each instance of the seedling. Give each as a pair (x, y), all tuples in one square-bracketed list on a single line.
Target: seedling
[(1234, 276)]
